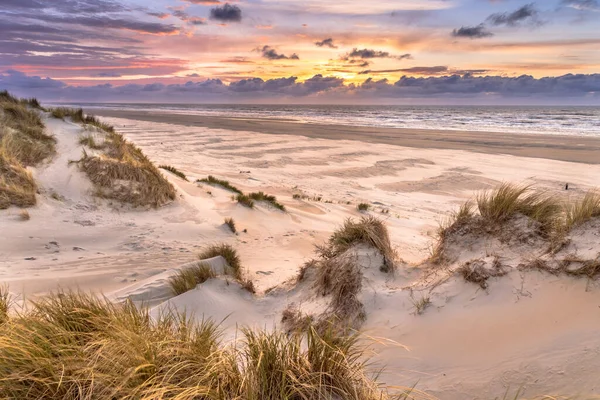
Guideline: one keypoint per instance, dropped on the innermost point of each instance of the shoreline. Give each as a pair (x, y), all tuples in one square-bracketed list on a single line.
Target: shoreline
[(552, 147)]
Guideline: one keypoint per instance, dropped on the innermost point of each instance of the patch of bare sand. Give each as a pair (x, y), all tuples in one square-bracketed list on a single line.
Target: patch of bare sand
[(380, 168), (446, 183)]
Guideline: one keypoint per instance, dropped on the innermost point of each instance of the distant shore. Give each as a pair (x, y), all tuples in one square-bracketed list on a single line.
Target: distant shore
[(554, 147)]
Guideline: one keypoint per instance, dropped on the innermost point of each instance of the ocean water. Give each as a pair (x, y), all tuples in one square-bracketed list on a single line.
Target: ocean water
[(584, 121)]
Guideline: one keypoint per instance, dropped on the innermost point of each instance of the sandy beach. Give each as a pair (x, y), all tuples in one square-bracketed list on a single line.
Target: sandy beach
[(527, 332), (553, 147)]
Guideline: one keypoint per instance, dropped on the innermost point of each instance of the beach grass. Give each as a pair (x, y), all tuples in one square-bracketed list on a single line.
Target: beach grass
[(211, 180), (230, 224), (23, 142), (188, 278), (272, 200), (363, 207), (174, 171), (582, 210), (230, 255), (71, 345), (245, 200), (368, 230), (122, 171)]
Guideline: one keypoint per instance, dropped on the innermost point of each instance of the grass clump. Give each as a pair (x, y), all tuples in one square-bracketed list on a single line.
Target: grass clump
[(420, 305), (475, 271), (228, 253), (78, 116), (72, 346), (583, 210), (90, 141), (211, 180), (188, 278), (17, 186), (174, 171), (23, 142), (230, 224), (123, 172), (368, 230), (245, 200), (24, 215), (499, 205), (272, 200), (363, 207)]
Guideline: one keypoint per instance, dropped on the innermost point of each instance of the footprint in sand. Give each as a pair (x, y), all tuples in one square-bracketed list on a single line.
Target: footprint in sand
[(264, 272)]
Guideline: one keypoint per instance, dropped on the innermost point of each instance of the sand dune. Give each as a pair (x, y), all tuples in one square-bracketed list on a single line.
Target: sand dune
[(526, 330)]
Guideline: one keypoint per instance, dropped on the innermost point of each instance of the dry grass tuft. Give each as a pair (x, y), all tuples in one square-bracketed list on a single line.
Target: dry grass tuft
[(228, 253), (72, 346), (421, 304), (188, 278), (501, 204), (475, 271), (368, 230), (363, 207), (174, 171), (261, 196), (24, 215), (341, 277), (211, 180), (23, 142), (583, 210), (230, 224), (245, 200), (90, 141)]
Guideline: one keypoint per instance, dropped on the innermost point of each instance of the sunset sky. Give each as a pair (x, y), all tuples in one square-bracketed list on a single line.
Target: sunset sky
[(203, 50)]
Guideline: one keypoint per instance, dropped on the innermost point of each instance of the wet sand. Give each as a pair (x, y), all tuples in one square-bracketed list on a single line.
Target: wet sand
[(553, 147)]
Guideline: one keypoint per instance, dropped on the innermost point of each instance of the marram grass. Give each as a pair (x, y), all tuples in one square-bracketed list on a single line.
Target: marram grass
[(72, 346)]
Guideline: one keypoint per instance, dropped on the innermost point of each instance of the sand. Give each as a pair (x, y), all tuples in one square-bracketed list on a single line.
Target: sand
[(528, 330), (582, 149)]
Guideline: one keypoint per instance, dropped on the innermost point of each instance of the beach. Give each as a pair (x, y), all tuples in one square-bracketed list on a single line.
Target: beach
[(520, 333)]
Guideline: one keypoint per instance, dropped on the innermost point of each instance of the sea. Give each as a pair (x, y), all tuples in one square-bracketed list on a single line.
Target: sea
[(550, 120)]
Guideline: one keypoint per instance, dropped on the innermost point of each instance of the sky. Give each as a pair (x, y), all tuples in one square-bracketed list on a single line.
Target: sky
[(302, 51)]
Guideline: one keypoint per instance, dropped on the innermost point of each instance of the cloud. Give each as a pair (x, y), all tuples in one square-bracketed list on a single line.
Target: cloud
[(108, 75), (159, 15), (472, 32), (226, 13), (584, 5), (270, 53), (185, 17), (525, 14), (367, 53), (429, 71), (580, 87), (204, 2), (326, 43)]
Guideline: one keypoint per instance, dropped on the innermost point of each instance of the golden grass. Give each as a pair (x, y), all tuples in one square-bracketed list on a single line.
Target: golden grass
[(507, 200), (245, 200), (550, 218), (23, 142), (24, 215), (211, 180), (230, 224), (174, 171), (125, 174), (368, 230), (261, 196), (228, 253), (583, 210), (90, 141), (74, 346), (17, 186), (363, 207), (188, 278)]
